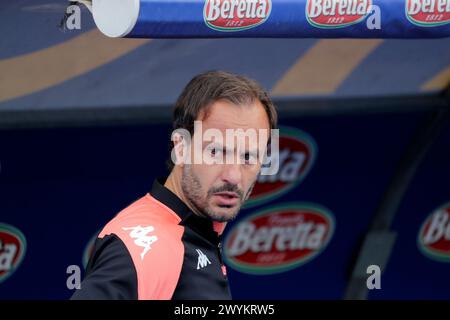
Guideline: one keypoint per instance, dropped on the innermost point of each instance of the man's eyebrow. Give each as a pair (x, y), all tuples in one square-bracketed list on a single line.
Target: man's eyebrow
[(218, 144), (212, 143), (253, 153)]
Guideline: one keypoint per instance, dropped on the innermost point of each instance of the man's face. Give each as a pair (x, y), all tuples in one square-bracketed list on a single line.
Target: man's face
[(218, 186)]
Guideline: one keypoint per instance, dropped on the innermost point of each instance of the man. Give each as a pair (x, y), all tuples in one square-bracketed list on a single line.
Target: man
[(166, 245)]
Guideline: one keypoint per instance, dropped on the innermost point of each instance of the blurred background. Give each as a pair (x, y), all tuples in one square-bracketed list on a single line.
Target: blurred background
[(85, 122)]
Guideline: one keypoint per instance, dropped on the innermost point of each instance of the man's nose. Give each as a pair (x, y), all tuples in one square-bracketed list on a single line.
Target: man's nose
[(231, 173)]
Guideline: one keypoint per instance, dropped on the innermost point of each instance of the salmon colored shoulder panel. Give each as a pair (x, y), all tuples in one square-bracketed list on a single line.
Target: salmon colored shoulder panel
[(151, 233)]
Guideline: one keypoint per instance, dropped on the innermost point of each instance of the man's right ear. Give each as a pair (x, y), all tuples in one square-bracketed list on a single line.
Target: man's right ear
[(180, 153)]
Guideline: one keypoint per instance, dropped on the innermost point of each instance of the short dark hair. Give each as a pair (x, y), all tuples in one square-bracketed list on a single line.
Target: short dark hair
[(208, 87)]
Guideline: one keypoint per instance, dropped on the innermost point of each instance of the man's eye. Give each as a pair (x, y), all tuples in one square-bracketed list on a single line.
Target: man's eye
[(248, 158), (215, 151)]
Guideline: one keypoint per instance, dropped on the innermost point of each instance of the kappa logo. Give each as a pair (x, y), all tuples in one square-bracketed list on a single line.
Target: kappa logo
[(142, 239), (203, 260)]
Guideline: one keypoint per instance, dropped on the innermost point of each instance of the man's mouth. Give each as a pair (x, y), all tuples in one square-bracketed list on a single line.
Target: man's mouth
[(227, 198)]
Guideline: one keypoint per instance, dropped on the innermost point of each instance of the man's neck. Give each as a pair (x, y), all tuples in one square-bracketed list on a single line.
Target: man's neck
[(173, 183)]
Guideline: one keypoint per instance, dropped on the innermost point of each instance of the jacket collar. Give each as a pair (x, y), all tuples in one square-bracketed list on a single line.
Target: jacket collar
[(205, 227)]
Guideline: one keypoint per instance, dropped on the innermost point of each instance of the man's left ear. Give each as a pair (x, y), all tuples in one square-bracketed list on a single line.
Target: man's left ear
[(180, 151)]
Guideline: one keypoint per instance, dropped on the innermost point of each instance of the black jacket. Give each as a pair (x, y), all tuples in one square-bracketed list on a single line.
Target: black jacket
[(157, 248)]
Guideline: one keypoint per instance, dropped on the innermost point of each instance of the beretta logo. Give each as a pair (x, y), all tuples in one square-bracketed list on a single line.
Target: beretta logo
[(336, 13), (12, 250), (236, 15), (434, 235), (297, 153), (428, 13), (279, 238)]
